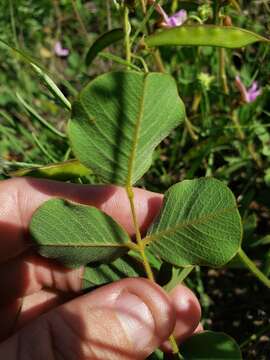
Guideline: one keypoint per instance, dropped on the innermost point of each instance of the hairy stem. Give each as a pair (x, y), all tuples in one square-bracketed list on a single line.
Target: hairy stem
[(253, 268), (139, 241), (141, 247)]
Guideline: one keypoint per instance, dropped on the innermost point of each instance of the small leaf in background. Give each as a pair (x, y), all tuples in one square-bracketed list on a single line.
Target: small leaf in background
[(76, 234), (117, 123), (121, 268), (204, 35), (106, 39), (157, 355), (39, 69), (199, 224), (210, 345), (67, 170), (178, 276)]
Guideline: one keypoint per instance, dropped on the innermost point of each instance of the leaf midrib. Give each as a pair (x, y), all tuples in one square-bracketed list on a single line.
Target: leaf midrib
[(148, 239), (86, 245), (136, 137)]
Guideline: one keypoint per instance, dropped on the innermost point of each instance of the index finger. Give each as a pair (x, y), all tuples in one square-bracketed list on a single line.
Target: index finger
[(19, 198)]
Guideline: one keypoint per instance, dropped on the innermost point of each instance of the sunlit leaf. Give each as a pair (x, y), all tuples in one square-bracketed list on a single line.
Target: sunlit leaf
[(66, 170), (76, 234), (204, 35), (118, 120), (199, 224), (210, 345)]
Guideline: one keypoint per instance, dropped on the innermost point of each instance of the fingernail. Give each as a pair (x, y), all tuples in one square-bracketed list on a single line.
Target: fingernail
[(136, 320)]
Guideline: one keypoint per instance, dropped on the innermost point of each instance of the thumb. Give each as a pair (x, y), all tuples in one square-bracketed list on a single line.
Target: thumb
[(126, 320)]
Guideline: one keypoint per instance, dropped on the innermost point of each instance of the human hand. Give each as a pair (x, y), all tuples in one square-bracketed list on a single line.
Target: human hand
[(125, 320)]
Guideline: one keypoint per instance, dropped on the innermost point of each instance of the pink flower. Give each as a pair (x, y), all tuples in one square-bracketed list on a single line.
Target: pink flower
[(176, 19), (59, 50), (248, 95)]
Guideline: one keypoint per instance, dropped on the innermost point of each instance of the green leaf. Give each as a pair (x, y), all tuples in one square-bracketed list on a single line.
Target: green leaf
[(51, 85), (106, 39), (210, 345), (204, 35), (66, 170), (38, 117), (123, 267), (76, 234), (199, 224), (178, 276), (118, 120), (157, 355)]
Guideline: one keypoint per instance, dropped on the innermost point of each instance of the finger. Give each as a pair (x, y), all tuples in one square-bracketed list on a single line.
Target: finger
[(39, 303), (125, 320), (19, 198), (19, 312), (198, 329), (188, 314), (186, 306), (31, 273)]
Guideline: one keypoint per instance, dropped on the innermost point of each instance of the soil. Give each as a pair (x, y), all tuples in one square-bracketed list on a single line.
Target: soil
[(240, 307)]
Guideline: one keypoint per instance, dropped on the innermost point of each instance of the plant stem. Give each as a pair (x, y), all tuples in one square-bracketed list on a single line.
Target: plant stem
[(43, 150), (127, 34), (239, 130), (222, 71), (142, 62), (253, 268), (174, 5), (156, 52), (242, 137), (141, 247), (158, 60), (175, 349), (139, 241), (190, 130), (78, 16), (143, 6)]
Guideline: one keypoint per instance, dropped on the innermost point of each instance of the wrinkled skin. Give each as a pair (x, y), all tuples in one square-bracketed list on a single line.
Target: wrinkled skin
[(125, 320)]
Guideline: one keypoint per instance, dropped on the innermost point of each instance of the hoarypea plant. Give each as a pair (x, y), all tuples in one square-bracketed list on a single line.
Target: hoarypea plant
[(116, 122)]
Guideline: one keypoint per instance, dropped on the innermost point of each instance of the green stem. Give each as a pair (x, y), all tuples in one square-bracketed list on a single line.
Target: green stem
[(144, 22), (142, 62), (174, 6), (222, 71), (190, 129), (253, 268), (127, 34), (139, 240), (43, 150), (238, 127), (13, 25), (141, 248), (158, 60), (78, 16), (143, 6)]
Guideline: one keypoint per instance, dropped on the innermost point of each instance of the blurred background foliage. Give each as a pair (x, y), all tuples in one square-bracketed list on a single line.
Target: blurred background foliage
[(222, 136)]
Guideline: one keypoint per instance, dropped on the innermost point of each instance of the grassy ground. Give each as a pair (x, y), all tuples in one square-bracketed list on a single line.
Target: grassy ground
[(223, 137)]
